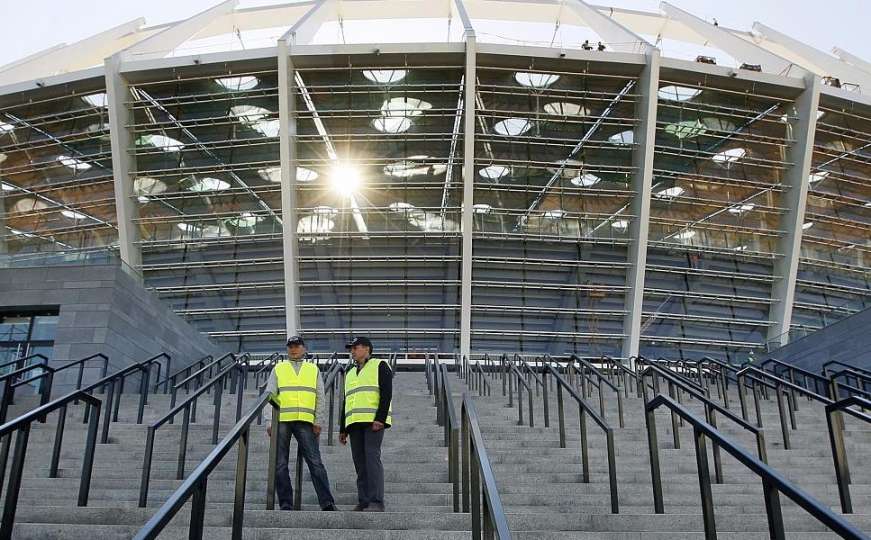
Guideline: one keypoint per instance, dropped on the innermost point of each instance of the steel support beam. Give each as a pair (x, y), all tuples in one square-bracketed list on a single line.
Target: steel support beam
[(639, 207), (740, 49), (79, 55), (288, 157), (852, 59), (821, 63), (616, 36), (165, 41), (304, 30), (800, 153), (468, 183), (120, 116)]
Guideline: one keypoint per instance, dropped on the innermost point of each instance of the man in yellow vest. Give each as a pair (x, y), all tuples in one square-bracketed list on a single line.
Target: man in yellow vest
[(366, 413), (297, 387)]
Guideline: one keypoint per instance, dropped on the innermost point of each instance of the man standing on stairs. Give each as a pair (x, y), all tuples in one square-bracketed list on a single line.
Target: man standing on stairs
[(366, 412), (297, 387)]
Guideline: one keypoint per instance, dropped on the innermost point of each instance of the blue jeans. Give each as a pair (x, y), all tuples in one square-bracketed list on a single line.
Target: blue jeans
[(308, 444)]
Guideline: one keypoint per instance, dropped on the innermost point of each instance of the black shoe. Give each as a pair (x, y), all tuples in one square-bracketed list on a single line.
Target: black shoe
[(360, 508), (375, 507), (330, 508)]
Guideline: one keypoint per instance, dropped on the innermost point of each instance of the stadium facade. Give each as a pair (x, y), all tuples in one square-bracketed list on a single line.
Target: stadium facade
[(467, 192)]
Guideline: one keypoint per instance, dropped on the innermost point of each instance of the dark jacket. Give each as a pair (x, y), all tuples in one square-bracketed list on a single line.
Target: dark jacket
[(385, 389)]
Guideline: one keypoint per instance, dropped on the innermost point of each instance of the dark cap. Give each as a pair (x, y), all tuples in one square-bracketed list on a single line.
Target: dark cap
[(359, 340), (295, 340)]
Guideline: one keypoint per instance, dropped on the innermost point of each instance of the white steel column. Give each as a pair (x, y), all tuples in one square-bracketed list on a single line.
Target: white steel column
[(642, 163), (288, 156), (468, 182), (800, 154), (123, 163)]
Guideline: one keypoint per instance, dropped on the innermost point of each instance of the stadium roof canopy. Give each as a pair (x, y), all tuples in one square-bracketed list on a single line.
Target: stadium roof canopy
[(555, 24)]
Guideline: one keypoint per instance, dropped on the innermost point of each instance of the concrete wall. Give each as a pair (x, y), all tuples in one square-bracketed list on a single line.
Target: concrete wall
[(103, 310), (848, 340)]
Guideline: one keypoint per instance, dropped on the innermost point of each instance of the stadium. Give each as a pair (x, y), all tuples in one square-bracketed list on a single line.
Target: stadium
[(605, 182)]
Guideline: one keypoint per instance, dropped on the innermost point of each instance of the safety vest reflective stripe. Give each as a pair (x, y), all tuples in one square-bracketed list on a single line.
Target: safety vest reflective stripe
[(297, 392), (362, 394)]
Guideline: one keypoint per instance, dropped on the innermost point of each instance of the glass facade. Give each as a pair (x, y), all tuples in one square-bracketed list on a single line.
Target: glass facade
[(24, 333)]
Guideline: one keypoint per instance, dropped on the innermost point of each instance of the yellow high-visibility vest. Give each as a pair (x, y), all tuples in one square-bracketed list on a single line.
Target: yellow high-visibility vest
[(297, 392), (362, 395)]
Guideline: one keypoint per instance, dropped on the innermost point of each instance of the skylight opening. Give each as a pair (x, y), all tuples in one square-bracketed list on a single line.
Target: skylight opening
[(685, 235), (586, 180), (728, 157), (554, 214), (209, 184), (678, 93), (167, 144), (818, 176), (807, 225), (245, 220), (741, 248), (188, 228), (564, 108), (392, 124), (6, 128), (143, 186), (494, 172), (99, 100), (314, 225), (404, 107), (237, 84), (73, 163), (256, 118), (385, 76), (512, 127), (688, 129), (28, 204), (739, 209), (623, 138), (6, 186), (535, 80), (73, 215), (620, 224), (567, 168), (481, 208), (413, 166), (670, 193)]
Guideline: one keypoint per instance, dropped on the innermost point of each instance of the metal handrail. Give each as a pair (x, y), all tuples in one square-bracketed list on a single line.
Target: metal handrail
[(792, 370), (511, 368), (839, 448), (20, 362), (602, 380), (621, 368), (479, 481), (773, 483), (861, 379), (825, 367), (480, 382), (22, 426), (452, 425), (195, 485), (187, 369), (265, 368), (197, 376), (189, 407), (584, 408), (333, 385)]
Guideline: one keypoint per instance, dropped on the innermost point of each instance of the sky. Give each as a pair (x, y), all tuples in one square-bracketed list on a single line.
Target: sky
[(32, 25)]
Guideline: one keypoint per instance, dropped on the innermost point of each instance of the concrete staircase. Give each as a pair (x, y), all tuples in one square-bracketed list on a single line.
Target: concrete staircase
[(544, 497), (418, 494)]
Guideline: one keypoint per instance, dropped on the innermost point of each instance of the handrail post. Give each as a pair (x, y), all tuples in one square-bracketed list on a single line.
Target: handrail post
[(839, 455), (107, 417), (612, 470), (14, 485), (655, 470), (216, 416), (466, 435), (742, 397), (58, 441), (183, 443), (546, 383), (273, 455), (198, 511), (562, 417), (585, 451), (88, 458), (773, 510), (705, 484), (143, 394), (241, 480), (146, 468), (784, 427)]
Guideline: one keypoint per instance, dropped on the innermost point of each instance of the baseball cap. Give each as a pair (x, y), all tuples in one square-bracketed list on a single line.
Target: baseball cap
[(359, 340), (295, 340)]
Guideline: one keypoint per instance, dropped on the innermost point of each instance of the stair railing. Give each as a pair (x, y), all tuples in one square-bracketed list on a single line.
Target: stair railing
[(21, 426), (480, 381), (584, 409), (820, 383), (827, 365), (265, 368), (333, 388), (835, 423), (452, 430), (188, 408), (196, 378), (479, 482), (194, 487), (602, 379), (517, 378), (623, 373), (540, 388), (773, 483), (859, 389), (170, 379)]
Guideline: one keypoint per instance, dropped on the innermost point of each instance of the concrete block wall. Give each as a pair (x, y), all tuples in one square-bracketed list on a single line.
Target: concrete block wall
[(102, 309)]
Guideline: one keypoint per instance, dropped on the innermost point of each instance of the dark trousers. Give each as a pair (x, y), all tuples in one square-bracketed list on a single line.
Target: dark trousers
[(366, 451), (311, 453)]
